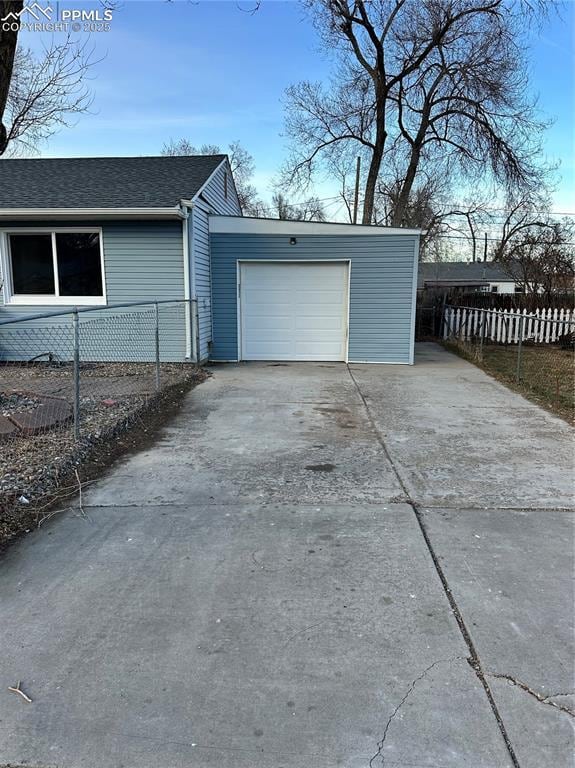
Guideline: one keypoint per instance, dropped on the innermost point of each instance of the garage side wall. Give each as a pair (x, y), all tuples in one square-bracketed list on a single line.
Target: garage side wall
[(219, 196), (382, 287)]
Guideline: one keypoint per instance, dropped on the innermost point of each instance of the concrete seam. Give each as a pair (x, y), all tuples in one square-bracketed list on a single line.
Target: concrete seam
[(471, 508), (314, 503), (473, 660)]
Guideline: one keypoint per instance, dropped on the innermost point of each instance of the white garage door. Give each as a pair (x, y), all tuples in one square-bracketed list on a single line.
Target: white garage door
[(293, 311)]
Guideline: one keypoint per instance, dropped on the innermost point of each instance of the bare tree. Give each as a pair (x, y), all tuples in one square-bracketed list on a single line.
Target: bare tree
[(308, 210), (39, 93), (419, 84), (176, 148), (46, 94), (8, 43), (541, 258), (524, 216), (241, 163), (536, 247), (424, 209)]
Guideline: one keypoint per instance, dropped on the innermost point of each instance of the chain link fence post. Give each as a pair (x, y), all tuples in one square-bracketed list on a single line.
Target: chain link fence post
[(519, 346), (157, 344), (76, 336)]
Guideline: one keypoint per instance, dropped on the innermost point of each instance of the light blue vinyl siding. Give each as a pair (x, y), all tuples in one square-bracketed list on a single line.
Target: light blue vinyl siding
[(211, 200), (143, 261), (383, 271), (214, 195), (201, 255)]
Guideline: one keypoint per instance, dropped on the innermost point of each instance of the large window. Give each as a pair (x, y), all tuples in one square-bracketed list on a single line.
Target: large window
[(55, 267)]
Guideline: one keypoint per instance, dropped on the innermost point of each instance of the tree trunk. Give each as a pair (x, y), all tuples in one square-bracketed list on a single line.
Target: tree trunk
[(370, 184), (405, 191), (8, 42), (377, 155)]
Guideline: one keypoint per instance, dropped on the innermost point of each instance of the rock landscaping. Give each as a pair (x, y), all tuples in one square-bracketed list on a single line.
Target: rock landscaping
[(40, 460), (27, 413)]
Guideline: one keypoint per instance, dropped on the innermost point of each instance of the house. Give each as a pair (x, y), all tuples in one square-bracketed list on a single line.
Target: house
[(99, 232), (467, 277)]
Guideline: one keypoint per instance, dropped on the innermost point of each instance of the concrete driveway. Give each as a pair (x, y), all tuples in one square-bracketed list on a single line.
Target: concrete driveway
[(314, 566)]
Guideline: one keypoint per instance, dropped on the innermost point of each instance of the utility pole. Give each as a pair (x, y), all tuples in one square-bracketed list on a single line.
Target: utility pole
[(356, 201), (485, 247)]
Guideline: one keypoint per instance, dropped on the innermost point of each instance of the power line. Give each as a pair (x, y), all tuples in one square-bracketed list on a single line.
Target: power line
[(478, 238), (511, 210), (484, 209)]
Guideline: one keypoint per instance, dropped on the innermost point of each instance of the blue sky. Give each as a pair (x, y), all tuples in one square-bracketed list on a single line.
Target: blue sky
[(212, 73)]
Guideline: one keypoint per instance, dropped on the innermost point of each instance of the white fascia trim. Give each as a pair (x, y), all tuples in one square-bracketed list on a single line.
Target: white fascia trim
[(208, 180), (247, 225), (82, 213)]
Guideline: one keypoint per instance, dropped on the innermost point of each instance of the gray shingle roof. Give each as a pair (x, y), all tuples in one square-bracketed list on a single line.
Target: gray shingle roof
[(462, 272), (103, 182)]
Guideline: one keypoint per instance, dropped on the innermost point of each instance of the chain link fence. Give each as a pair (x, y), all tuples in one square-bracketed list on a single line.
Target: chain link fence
[(69, 380), (534, 352)]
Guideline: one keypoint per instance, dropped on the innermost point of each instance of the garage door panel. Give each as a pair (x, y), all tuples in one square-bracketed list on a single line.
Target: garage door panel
[(310, 296), (268, 350), (266, 319), (319, 309), (315, 351), (267, 297), (311, 323), (294, 311), (269, 334), (254, 331)]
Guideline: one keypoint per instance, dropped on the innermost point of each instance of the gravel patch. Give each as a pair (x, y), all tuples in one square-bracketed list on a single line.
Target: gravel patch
[(17, 402), (118, 414)]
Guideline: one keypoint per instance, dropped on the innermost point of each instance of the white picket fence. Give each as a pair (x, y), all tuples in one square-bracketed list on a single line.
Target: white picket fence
[(503, 326)]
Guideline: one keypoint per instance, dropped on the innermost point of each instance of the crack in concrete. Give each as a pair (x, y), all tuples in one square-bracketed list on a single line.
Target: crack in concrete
[(305, 629), (473, 659), (381, 742), (542, 699)]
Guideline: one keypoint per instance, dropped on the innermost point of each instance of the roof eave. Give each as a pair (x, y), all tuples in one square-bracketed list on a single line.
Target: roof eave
[(41, 214)]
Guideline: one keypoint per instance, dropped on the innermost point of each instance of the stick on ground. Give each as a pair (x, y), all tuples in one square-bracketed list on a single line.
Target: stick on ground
[(16, 689)]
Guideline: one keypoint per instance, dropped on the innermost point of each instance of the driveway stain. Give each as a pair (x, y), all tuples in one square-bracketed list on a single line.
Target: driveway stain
[(321, 467)]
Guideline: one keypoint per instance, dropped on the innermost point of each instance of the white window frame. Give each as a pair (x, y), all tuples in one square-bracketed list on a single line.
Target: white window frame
[(36, 299)]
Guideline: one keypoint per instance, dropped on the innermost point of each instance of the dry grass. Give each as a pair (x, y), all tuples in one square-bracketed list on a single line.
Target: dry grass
[(547, 374)]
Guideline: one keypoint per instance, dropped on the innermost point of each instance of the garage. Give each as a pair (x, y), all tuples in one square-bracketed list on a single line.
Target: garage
[(310, 291), (293, 310)]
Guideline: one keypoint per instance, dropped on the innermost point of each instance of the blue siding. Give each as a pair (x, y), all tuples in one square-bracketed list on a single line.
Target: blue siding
[(143, 261), (214, 195), (212, 200), (383, 271), (201, 255)]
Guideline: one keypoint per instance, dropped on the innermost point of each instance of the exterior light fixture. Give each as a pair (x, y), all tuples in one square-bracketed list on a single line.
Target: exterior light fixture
[(292, 241)]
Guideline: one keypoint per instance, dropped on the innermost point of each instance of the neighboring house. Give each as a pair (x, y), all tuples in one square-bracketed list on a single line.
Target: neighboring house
[(102, 231), (467, 277)]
